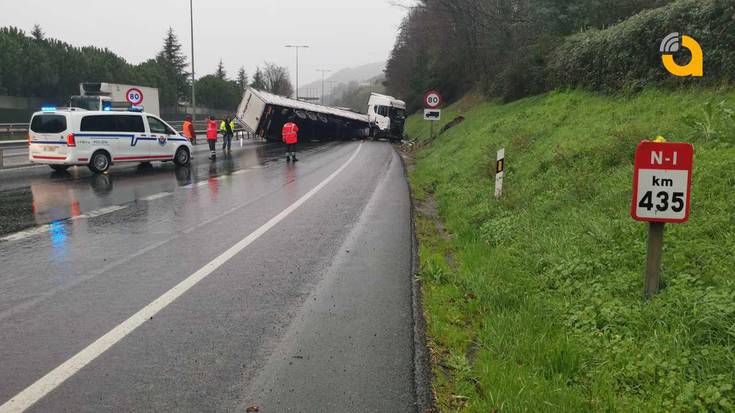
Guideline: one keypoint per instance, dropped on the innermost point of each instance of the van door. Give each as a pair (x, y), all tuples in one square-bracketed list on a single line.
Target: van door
[(164, 146), (48, 132)]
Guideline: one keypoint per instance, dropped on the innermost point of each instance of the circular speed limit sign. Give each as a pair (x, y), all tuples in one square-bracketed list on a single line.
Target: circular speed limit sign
[(432, 99), (134, 96)]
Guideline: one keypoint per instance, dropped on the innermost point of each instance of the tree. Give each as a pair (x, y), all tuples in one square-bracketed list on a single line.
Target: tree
[(242, 78), (221, 73), (218, 93), (173, 59), (258, 80), (37, 33), (277, 80)]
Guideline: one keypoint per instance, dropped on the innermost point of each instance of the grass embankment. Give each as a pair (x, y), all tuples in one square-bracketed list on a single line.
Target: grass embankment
[(534, 302)]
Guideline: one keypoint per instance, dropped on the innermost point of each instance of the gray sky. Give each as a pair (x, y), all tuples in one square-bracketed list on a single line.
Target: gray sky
[(340, 33)]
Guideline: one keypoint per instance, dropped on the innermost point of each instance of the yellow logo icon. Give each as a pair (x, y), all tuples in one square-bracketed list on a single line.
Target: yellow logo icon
[(672, 44)]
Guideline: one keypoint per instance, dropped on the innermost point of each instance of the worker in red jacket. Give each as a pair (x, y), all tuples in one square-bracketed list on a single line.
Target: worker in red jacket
[(212, 137), (290, 134)]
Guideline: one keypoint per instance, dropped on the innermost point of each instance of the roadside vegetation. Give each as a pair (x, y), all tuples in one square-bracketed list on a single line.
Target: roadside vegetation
[(534, 301)]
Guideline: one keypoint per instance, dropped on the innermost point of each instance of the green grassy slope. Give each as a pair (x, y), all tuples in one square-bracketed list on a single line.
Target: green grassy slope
[(534, 302)]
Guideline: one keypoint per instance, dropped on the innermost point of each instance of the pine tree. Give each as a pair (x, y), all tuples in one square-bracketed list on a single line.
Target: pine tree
[(172, 54), (37, 33), (258, 80), (174, 61), (242, 78), (220, 73)]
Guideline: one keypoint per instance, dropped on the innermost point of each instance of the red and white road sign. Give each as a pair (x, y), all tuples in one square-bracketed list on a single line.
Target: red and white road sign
[(432, 100), (134, 96), (662, 182)]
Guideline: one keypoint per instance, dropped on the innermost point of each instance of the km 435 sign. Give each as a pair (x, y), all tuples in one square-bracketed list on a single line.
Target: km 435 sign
[(662, 182)]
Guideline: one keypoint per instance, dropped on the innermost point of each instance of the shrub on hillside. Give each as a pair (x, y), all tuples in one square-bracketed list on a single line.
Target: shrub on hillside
[(626, 56)]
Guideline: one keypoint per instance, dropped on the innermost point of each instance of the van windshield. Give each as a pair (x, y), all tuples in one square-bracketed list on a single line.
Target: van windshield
[(48, 123)]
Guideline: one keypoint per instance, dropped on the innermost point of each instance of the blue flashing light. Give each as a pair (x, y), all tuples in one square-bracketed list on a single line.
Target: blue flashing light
[(48, 109), (135, 108), (107, 108)]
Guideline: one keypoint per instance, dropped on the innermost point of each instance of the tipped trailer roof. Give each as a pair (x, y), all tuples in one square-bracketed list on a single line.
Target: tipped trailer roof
[(265, 114), (271, 99)]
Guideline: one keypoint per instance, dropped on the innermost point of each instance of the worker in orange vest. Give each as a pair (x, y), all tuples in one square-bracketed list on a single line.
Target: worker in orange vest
[(189, 131), (290, 134), (212, 137)]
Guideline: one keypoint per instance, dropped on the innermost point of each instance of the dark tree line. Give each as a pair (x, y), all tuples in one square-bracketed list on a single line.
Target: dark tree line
[(498, 46), (35, 66)]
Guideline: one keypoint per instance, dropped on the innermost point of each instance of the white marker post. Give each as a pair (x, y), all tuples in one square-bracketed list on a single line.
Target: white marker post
[(499, 173)]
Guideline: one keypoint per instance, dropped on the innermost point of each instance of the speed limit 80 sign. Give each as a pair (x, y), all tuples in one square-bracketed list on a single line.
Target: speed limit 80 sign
[(432, 99), (662, 182), (134, 96)]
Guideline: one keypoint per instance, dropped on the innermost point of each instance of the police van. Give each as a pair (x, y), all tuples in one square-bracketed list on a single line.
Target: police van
[(62, 138)]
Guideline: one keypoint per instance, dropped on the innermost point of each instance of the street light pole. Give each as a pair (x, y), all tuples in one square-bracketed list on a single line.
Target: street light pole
[(193, 77), (291, 46), (323, 72)]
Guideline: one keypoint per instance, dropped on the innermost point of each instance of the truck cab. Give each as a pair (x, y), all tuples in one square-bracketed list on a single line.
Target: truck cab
[(387, 117)]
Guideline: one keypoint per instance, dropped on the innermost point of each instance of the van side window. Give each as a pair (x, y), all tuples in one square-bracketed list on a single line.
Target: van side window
[(112, 123), (129, 123), (100, 123), (159, 127)]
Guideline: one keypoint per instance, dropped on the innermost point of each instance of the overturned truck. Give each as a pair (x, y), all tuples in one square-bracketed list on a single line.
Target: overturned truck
[(264, 114)]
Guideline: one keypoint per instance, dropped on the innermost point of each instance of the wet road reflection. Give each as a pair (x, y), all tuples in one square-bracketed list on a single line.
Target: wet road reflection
[(36, 196)]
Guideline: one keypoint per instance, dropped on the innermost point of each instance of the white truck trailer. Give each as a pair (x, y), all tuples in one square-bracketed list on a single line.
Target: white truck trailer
[(113, 96), (264, 114)]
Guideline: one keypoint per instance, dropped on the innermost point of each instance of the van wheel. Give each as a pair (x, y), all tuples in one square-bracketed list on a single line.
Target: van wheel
[(182, 157), (59, 168), (100, 162)]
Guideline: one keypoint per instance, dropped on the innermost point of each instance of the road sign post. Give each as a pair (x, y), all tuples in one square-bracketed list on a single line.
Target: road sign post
[(662, 182), (432, 115), (432, 101)]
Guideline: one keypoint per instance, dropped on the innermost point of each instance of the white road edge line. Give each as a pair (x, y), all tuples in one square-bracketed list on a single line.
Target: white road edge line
[(46, 384), (42, 229)]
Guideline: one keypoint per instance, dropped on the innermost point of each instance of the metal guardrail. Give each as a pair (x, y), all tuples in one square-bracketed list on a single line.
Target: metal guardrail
[(5, 145)]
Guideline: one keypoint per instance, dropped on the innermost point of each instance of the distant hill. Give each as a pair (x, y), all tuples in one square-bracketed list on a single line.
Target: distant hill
[(359, 74)]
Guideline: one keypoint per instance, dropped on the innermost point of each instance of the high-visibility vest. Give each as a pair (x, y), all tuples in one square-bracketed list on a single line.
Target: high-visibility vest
[(222, 127), (290, 133), (189, 130), (211, 130)]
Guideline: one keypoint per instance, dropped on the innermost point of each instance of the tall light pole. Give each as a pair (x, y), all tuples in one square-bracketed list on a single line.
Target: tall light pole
[(291, 46), (193, 77), (324, 71)]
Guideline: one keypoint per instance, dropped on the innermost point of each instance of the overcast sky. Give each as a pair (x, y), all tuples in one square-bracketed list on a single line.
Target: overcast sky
[(340, 33)]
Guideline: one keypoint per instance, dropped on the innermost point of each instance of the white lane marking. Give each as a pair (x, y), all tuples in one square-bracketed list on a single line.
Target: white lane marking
[(44, 228), (156, 196), (202, 183), (99, 212), (27, 233), (33, 393)]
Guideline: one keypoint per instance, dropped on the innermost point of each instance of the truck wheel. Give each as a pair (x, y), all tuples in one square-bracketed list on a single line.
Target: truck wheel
[(100, 162), (182, 157)]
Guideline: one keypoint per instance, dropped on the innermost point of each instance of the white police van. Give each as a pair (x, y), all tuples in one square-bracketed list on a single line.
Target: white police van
[(62, 138)]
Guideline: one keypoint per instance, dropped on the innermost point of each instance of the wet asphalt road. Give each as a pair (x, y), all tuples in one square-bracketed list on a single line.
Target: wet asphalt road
[(313, 315)]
